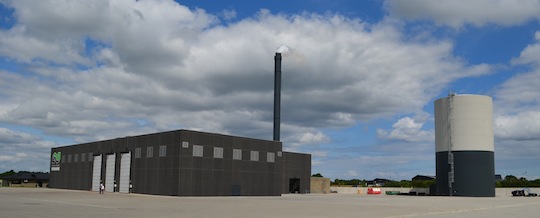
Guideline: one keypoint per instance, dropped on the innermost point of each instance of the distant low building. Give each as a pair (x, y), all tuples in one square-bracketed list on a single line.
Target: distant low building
[(26, 179), (377, 182), (423, 178)]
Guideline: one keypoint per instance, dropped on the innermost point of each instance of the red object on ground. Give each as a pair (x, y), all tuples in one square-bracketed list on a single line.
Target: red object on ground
[(374, 191)]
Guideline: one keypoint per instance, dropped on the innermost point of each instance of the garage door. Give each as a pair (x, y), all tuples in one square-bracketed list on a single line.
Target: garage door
[(109, 173), (96, 174), (125, 168)]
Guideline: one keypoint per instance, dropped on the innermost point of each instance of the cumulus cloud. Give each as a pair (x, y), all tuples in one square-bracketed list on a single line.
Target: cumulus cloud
[(21, 149), (408, 129), (517, 100), (517, 111), (310, 138), (228, 14), (521, 126), (8, 136), (458, 13), (147, 66), (530, 54)]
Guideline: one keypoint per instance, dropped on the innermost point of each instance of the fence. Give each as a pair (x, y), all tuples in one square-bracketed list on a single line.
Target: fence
[(418, 191)]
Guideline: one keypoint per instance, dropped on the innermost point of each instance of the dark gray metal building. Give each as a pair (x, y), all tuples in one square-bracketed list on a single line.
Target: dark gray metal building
[(182, 163)]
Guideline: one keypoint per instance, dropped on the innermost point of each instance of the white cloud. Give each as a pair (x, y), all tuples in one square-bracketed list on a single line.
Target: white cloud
[(521, 126), (30, 49), (228, 14), (456, 13), (225, 72), (517, 100), (408, 129), (352, 173), (148, 66), (7, 158), (517, 111), (313, 138), (147, 34), (530, 54), (10, 136), (21, 149)]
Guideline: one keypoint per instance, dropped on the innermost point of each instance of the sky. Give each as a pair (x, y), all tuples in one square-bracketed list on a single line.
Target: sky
[(359, 79)]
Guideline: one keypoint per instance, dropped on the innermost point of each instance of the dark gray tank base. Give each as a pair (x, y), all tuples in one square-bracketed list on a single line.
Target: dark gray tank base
[(474, 174)]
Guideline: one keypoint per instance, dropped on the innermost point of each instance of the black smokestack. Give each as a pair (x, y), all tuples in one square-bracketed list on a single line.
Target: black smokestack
[(277, 95)]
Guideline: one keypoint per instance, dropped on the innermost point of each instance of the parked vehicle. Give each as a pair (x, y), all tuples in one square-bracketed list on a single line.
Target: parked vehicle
[(524, 192)]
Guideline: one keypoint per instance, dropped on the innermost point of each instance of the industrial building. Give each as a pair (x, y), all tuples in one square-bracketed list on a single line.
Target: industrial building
[(182, 163), (186, 163), (464, 145)]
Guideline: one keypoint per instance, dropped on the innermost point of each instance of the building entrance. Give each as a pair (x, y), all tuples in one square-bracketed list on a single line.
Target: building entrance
[(96, 173), (109, 173), (125, 168), (294, 185)]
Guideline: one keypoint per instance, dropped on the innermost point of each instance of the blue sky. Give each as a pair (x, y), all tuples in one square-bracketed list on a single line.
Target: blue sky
[(359, 80)]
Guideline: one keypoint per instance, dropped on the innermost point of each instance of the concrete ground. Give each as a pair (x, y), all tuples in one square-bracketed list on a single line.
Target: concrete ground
[(35, 202)]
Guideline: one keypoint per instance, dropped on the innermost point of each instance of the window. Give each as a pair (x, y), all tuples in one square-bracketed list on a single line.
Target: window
[(163, 150), (218, 152), (254, 156), (149, 151), (197, 150), (83, 157), (270, 157), (185, 144), (76, 158), (237, 154), (63, 158), (90, 157), (279, 153), (137, 152), (69, 158)]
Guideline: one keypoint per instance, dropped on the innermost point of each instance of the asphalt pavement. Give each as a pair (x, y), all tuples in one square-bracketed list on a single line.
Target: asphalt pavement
[(43, 202)]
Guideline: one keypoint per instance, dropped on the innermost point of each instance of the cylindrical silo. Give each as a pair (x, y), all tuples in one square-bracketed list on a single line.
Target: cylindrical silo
[(464, 146)]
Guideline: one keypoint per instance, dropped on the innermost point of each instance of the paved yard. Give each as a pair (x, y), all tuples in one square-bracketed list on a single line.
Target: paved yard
[(31, 202)]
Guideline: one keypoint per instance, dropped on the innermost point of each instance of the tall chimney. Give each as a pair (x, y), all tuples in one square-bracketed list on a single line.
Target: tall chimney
[(277, 95)]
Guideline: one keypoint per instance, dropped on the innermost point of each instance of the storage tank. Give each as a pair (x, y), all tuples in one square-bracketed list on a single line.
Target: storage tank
[(464, 146)]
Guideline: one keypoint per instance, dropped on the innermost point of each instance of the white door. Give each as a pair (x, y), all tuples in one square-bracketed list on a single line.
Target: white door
[(109, 173), (125, 168), (96, 174)]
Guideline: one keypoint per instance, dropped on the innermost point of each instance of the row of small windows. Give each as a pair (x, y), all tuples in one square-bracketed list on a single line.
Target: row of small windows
[(198, 151), (150, 151), (75, 158)]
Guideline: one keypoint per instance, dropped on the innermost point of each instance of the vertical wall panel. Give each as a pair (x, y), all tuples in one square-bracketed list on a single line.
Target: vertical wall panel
[(125, 170), (109, 173), (96, 174)]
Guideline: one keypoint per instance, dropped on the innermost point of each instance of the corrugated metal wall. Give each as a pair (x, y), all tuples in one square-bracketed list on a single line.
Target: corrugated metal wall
[(296, 166), (172, 169)]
